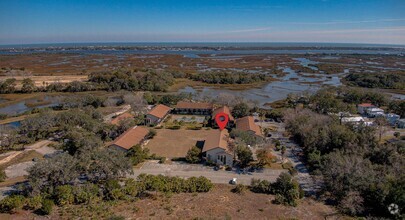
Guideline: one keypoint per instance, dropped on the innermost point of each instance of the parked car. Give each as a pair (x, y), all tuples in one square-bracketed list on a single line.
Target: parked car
[(233, 181)]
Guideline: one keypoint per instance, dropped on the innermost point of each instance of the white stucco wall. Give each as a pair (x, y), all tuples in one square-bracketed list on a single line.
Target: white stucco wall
[(212, 155)]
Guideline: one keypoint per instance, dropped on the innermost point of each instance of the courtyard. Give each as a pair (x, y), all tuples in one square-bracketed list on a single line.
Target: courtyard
[(175, 143)]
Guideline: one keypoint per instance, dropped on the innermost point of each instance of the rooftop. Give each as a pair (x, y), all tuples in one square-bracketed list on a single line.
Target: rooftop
[(116, 120), (366, 105), (216, 139), (131, 137), (248, 124), (159, 111), (194, 105), (223, 109)]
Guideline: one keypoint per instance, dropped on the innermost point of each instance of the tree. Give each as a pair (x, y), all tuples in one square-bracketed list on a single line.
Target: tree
[(47, 174), (103, 165), (193, 155), (137, 154), (382, 124), (240, 110), (245, 155), (8, 86), (286, 189), (28, 86)]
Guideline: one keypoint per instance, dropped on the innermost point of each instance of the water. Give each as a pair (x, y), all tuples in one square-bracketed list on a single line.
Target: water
[(273, 91), (22, 107), (192, 50)]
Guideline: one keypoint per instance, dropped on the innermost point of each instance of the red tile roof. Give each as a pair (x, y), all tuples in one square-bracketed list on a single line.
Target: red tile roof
[(215, 139), (248, 124), (366, 105), (131, 137), (160, 111), (194, 105), (223, 109), (116, 120)]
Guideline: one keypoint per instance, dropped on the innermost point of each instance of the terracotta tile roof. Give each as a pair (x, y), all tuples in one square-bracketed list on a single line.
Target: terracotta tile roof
[(366, 105), (131, 137), (223, 109), (116, 120), (215, 139), (159, 111), (194, 105), (248, 124)]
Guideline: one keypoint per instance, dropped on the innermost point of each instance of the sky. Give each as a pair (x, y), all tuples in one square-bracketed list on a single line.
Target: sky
[(74, 21)]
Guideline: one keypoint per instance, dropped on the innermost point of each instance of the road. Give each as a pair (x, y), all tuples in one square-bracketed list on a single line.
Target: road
[(309, 184), (189, 170)]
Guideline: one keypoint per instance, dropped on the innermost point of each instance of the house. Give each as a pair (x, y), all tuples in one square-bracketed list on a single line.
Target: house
[(223, 109), (401, 123), (362, 108), (194, 108), (216, 148), (130, 138), (122, 117), (356, 120), (157, 114), (392, 118), (248, 124), (375, 112)]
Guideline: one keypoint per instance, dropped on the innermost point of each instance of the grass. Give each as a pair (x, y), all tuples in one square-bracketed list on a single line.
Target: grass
[(182, 83)]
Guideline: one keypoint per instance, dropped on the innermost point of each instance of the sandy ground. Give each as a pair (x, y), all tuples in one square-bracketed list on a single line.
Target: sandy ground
[(44, 80), (175, 143), (219, 203)]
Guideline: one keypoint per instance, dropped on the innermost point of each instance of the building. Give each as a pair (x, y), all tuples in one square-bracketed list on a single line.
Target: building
[(116, 120), (356, 120), (248, 124), (194, 108), (130, 138), (362, 108), (223, 109), (157, 114), (375, 112), (401, 123), (392, 118), (216, 148)]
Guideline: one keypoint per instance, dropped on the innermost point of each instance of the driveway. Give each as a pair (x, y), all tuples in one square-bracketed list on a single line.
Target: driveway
[(190, 170), (309, 184)]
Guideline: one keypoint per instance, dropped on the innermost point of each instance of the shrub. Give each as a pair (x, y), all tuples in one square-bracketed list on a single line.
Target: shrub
[(260, 186), (132, 188), (11, 204), (287, 190), (151, 134), (47, 206), (193, 155), (64, 195), (113, 190), (239, 189), (174, 127), (162, 160), (85, 193), (33, 203), (3, 175)]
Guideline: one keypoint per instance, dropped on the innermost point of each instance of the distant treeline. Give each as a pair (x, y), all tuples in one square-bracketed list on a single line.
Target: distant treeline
[(393, 80), (222, 77), (131, 80)]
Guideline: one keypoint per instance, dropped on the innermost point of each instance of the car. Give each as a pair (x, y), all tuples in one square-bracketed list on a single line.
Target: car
[(233, 181)]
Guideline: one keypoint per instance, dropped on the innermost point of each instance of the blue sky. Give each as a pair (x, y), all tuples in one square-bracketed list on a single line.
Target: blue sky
[(340, 21)]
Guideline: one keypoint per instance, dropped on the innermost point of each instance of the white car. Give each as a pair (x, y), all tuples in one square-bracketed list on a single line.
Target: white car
[(233, 181)]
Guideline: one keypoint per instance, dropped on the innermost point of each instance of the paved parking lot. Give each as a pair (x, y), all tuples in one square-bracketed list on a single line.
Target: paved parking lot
[(189, 170)]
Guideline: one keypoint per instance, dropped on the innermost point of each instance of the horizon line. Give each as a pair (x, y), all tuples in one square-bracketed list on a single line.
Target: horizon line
[(200, 42)]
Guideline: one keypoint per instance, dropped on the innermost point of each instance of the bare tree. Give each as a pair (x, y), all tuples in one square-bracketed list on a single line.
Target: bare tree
[(136, 101)]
